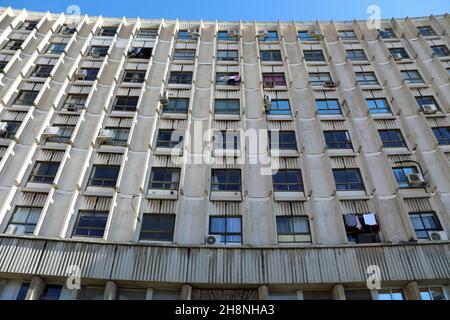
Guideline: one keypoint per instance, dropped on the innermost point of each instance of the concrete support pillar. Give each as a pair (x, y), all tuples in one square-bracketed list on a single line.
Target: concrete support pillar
[(412, 291), (110, 291), (338, 292), (186, 292), (300, 295), (37, 286), (263, 293), (149, 295)]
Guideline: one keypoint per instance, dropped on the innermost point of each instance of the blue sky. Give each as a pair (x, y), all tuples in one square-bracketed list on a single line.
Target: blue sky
[(261, 10)]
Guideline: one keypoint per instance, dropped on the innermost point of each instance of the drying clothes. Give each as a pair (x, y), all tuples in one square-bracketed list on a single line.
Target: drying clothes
[(350, 220), (359, 226), (370, 219)]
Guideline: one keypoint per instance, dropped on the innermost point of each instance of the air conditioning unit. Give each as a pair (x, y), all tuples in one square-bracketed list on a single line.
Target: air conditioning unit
[(329, 84), (429, 108), (437, 235), (213, 239), (105, 135), (15, 229), (314, 33), (95, 54), (262, 34), (3, 127), (193, 33), (397, 56), (72, 107), (164, 98), (50, 132), (267, 102), (415, 179), (81, 75), (233, 33)]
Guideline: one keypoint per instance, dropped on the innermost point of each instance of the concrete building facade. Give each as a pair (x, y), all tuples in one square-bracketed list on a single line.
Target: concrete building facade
[(129, 160)]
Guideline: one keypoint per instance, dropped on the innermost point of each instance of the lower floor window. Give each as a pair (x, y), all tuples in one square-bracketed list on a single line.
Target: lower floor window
[(229, 228), (91, 224), (293, 229), (432, 293), (24, 220), (424, 223), (157, 227), (391, 294), (51, 292), (361, 228)]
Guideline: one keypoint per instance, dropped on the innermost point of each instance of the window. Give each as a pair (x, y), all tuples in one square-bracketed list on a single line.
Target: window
[(56, 48), (125, 103), (293, 229), (348, 180), (42, 71), (226, 106), (319, 79), (279, 107), (131, 294), (270, 55), (180, 77), (184, 54), (120, 136), (75, 100), (391, 294), (392, 138), (107, 31), (164, 178), (271, 80), (91, 224), (399, 53), (26, 97), (28, 25), (440, 51), (356, 55), (3, 65), (387, 33), (227, 55), (104, 176), (378, 106), (51, 292), (168, 139), (185, 35), (347, 35), (271, 36), (306, 36), (426, 100), (366, 79), (64, 134), (361, 228), (147, 33), (11, 129), (226, 140), (426, 31), (225, 36), (24, 220), (288, 180), (44, 172), (13, 45), (432, 293), (401, 175), (177, 105), (229, 228), (228, 78), (134, 76), (423, 223), (23, 290), (282, 140), (411, 76), (98, 51), (140, 53), (226, 180), (442, 135), (313, 55), (157, 227), (337, 139), (328, 107), (91, 73)]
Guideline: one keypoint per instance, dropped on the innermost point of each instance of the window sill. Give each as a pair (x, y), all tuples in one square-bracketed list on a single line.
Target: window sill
[(228, 117), (284, 153), (39, 187), (99, 191), (396, 150), (226, 153), (225, 196), (168, 115), (279, 117), (166, 151), (162, 194), (111, 148), (289, 196), (352, 194), (341, 152)]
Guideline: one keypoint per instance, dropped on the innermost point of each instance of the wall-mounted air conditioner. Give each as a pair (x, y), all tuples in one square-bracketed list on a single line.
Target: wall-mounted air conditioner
[(415, 179), (213, 240)]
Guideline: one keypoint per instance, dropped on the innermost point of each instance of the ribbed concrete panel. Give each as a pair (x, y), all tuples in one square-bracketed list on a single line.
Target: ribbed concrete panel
[(20, 255)]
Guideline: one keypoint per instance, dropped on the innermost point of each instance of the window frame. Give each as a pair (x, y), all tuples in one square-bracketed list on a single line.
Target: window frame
[(335, 143), (374, 102), (425, 230), (231, 107), (91, 227), (26, 223), (271, 56), (292, 234), (129, 76), (356, 55), (412, 76), (173, 107), (126, 105), (171, 185), (283, 143), (104, 182), (227, 55), (225, 233), (180, 77), (226, 184), (443, 139), (157, 231), (36, 176), (367, 78), (314, 55), (285, 185), (392, 143), (330, 105), (347, 184)]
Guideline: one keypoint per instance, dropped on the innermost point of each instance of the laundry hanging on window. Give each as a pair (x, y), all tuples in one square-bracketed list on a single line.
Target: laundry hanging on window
[(370, 219)]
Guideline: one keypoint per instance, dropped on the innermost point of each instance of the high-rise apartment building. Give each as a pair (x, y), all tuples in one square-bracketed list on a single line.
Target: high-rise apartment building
[(162, 159)]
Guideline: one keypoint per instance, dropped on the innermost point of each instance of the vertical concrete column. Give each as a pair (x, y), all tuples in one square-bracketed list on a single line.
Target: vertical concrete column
[(149, 295), (263, 293), (300, 295), (110, 291), (36, 288), (186, 292), (338, 292), (412, 291)]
